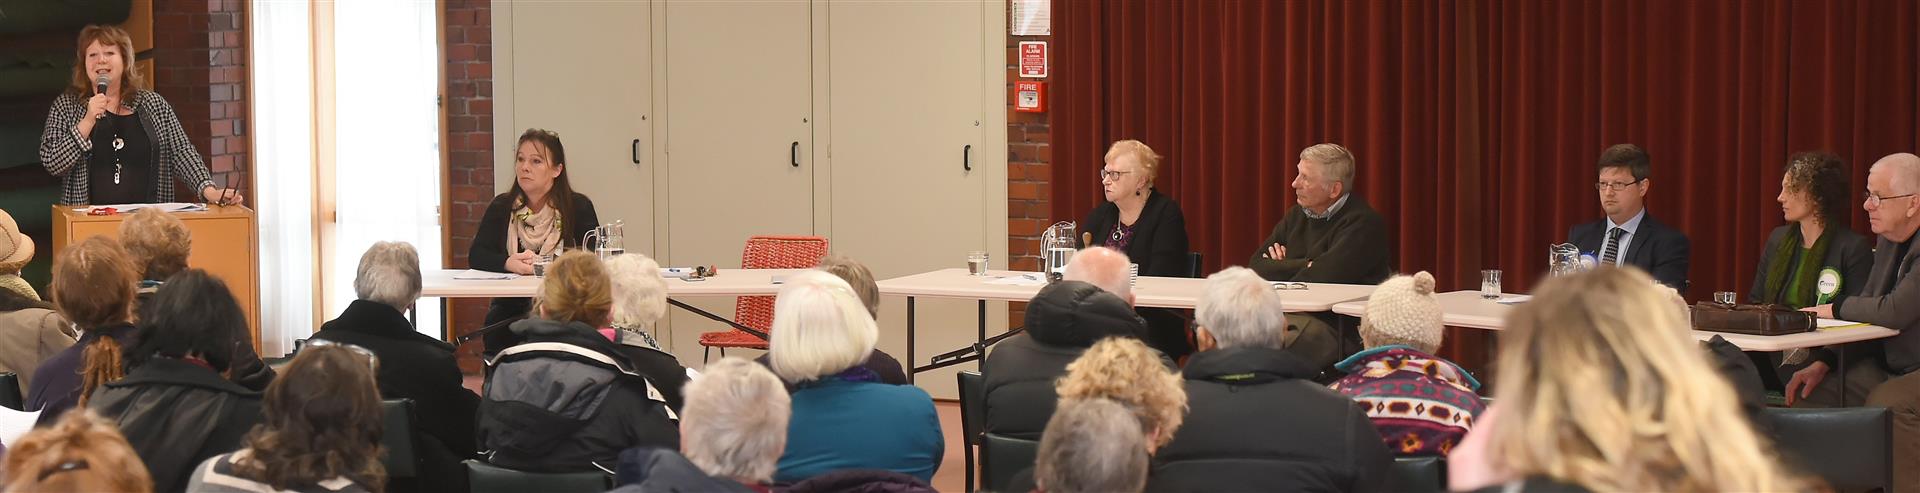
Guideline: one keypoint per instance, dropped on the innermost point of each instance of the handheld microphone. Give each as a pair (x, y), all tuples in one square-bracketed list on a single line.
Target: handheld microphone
[(100, 85)]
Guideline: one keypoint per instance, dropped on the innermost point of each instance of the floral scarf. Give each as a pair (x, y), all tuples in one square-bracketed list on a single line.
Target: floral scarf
[(538, 232)]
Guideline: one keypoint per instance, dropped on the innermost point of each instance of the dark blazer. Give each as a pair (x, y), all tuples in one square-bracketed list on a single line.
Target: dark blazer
[(1660, 250), (1159, 242), (489, 252), (412, 366), (1891, 307), (1847, 252)]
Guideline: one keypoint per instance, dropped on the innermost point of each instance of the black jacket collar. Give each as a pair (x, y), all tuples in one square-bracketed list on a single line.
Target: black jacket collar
[(377, 319), (1247, 365), (161, 370)]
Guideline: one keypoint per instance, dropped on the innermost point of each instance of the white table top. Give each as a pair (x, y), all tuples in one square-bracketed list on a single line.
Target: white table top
[(1468, 309), (1163, 292), (730, 282)]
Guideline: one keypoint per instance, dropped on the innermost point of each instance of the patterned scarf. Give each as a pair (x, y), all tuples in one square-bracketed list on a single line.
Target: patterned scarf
[(539, 232), (1800, 289)]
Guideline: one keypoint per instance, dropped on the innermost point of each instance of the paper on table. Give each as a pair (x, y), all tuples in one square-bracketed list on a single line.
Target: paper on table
[(1028, 279), (481, 275), (132, 208), (15, 423), (1514, 299), (1828, 323)]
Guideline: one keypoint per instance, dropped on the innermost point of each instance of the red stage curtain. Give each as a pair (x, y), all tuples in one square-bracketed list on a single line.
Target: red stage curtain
[(1476, 124)]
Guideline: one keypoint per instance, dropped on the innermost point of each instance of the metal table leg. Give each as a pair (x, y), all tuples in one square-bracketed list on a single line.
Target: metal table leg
[(910, 327)]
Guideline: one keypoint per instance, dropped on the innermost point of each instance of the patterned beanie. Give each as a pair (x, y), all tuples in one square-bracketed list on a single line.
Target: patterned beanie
[(1403, 311)]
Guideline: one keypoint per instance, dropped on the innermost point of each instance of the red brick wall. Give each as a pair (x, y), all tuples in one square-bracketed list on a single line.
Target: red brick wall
[(469, 72), (200, 64), (1029, 150)]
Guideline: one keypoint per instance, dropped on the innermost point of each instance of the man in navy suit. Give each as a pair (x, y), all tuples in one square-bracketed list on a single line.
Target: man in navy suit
[(1628, 236)]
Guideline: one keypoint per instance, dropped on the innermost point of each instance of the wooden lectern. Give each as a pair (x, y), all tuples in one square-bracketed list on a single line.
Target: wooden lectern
[(226, 244)]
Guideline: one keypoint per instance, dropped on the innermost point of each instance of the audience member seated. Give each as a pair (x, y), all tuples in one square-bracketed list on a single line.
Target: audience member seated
[(413, 366), (30, 331), (844, 417), (861, 279), (639, 302), (1110, 269), (1126, 371), (158, 245), (1062, 321), (1256, 417), (1421, 403), (1092, 446), (93, 287), (571, 402), (1616, 397), (732, 432), (173, 405), (80, 452), (321, 434)]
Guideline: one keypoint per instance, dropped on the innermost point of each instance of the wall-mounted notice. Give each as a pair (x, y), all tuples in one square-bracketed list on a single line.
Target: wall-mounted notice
[(1033, 59), (1031, 17)]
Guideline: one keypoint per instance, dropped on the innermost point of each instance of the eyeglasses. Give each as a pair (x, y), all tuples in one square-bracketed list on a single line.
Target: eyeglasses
[(1615, 186), (1875, 199), (373, 361), (1112, 174), (1289, 286)]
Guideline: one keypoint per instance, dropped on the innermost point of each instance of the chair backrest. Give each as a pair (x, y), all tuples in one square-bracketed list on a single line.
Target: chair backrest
[(10, 392), (1852, 448), (397, 438), (973, 405), (1417, 475), (489, 478), (1002, 457), (1194, 268), (774, 252)]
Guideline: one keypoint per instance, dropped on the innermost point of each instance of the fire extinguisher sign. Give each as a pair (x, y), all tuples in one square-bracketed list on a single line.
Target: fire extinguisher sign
[(1033, 59)]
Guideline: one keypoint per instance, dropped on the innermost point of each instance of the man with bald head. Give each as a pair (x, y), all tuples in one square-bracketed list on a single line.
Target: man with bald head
[(1887, 300), (1111, 271)]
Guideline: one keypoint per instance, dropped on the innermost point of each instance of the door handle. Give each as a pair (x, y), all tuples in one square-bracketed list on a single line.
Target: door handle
[(966, 157), (794, 152), (636, 151)]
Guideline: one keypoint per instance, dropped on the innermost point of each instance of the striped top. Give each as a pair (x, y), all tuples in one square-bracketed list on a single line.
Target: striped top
[(65, 153), (216, 476)]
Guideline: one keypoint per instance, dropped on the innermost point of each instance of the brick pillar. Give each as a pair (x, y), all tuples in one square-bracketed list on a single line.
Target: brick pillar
[(200, 64), (469, 69), (1029, 150)]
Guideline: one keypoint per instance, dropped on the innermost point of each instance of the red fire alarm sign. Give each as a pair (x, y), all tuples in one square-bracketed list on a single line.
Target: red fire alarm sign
[(1029, 96), (1033, 59)]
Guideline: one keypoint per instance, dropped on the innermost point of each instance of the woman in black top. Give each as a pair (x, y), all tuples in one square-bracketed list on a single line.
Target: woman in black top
[(527, 222), (1813, 251), (122, 144), (1148, 226)]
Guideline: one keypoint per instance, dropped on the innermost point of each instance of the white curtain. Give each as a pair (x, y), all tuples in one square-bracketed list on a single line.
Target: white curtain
[(387, 170), (282, 68)]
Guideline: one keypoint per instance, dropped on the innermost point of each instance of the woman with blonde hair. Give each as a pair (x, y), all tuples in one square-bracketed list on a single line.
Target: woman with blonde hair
[(1129, 372), (1605, 390), (844, 417), (81, 452), (1148, 226)]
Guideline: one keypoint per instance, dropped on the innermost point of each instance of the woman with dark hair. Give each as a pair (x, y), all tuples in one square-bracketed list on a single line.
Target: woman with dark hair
[(1812, 260), (174, 406), (322, 430), (538, 218), (93, 287), (112, 141)]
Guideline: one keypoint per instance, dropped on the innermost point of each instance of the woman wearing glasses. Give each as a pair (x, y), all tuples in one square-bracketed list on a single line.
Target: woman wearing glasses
[(173, 405), (1148, 226), (1813, 260)]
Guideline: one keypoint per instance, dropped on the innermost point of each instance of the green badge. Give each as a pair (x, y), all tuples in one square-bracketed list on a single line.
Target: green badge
[(1828, 286)]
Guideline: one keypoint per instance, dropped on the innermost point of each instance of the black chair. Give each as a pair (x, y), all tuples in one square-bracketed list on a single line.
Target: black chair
[(1417, 475), (973, 416), (10, 392), (1851, 448), (1194, 269), (397, 438), (1002, 457), (488, 478)]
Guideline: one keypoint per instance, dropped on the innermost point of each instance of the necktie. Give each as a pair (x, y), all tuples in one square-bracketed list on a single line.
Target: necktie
[(1608, 255)]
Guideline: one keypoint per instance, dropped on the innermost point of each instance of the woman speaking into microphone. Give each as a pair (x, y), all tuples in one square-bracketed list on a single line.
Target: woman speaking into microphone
[(112, 141)]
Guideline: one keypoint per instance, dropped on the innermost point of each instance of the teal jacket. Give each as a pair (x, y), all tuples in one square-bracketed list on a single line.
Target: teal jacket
[(839, 424)]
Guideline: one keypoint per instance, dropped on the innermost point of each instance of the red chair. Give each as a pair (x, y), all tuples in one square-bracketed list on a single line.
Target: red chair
[(763, 252)]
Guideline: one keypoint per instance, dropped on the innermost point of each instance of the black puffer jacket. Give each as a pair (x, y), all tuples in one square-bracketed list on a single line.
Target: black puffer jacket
[(1257, 422), (568, 400), (1062, 321)]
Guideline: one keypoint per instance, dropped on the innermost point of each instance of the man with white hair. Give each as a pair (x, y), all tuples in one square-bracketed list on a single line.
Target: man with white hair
[(412, 366), (1331, 235), (1093, 446), (732, 433), (1887, 300), (1240, 381)]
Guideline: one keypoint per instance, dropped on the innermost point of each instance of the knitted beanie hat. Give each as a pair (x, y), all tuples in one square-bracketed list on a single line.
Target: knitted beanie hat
[(1403, 311)]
